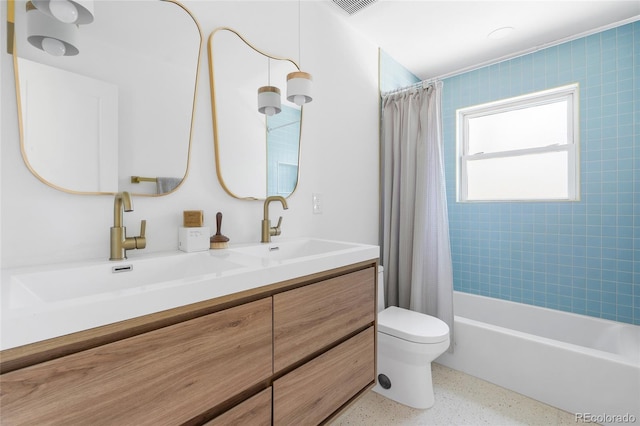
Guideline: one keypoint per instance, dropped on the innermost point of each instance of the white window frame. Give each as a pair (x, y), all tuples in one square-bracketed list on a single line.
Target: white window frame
[(568, 92)]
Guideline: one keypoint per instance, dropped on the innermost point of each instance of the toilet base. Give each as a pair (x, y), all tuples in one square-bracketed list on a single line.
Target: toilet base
[(408, 367), (409, 386)]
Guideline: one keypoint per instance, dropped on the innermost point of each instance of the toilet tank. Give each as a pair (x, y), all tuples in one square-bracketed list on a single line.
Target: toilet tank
[(381, 293)]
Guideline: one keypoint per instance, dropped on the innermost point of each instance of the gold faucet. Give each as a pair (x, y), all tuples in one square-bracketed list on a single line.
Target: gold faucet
[(267, 229), (120, 243)]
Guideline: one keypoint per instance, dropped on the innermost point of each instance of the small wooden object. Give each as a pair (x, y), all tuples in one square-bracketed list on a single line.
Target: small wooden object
[(193, 218), (218, 241)]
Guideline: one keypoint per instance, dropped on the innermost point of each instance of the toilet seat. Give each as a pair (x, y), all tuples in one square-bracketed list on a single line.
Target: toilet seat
[(412, 326)]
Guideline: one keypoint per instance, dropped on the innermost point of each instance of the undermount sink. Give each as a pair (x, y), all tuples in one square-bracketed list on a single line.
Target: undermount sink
[(295, 249), (116, 279)]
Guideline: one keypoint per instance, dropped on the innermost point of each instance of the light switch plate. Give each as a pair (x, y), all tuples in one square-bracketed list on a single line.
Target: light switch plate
[(316, 203)]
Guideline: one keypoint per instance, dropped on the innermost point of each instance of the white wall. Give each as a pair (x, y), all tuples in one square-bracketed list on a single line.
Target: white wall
[(339, 156)]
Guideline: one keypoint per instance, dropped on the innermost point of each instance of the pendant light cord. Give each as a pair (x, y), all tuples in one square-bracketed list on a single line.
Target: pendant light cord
[(299, 32)]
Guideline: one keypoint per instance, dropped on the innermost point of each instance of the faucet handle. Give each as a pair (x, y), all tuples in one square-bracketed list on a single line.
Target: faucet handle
[(141, 240), (276, 229)]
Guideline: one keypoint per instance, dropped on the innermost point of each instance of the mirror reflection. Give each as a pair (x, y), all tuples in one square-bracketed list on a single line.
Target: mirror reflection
[(257, 155), (115, 115)]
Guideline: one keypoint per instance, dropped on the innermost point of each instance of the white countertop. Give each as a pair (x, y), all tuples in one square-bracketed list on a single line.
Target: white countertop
[(43, 302)]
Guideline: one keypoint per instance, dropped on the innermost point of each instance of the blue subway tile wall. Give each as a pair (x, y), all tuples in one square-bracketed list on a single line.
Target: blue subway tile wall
[(581, 257), (283, 135), (393, 75)]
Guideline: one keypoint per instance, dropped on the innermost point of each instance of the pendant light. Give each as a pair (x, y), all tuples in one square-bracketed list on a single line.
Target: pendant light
[(269, 96), (269, 100), (299, 82), (48, 34), (67, 11)]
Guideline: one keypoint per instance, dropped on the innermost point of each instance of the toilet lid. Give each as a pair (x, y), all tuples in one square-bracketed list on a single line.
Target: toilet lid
[(412, 326)]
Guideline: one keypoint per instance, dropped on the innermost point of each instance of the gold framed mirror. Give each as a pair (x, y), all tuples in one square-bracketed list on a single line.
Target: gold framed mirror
[(256, 155), (118, 115)]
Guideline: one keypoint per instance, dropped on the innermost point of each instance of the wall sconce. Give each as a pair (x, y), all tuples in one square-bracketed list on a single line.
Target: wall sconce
[(299, 82), (67, 11), (49, 34), (269, 96)]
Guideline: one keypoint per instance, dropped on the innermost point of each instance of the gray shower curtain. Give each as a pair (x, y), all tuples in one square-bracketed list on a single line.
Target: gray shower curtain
[(416, 252)]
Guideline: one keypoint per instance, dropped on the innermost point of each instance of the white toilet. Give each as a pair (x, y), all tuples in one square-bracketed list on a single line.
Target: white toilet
[(407, 343)]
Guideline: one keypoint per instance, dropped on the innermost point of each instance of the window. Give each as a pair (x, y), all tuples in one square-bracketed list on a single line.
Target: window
[(520, 149)]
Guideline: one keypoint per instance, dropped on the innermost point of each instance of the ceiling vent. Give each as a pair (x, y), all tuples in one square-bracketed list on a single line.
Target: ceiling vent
[(353, 6)]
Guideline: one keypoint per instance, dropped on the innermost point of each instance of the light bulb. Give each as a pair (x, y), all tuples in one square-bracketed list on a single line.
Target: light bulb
[(269, 111), (64, 11), (53, 47), (299, 100)]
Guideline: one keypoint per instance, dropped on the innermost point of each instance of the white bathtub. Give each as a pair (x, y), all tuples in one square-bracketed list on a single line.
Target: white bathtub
[(581, 364)]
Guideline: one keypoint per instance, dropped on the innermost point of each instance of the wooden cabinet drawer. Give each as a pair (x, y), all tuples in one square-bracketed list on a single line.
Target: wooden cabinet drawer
[(314, 391), (255, 411), (310, 318), (167, 376)]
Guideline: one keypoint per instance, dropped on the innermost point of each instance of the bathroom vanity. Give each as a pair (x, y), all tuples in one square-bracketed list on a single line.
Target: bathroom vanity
[(292, 351)]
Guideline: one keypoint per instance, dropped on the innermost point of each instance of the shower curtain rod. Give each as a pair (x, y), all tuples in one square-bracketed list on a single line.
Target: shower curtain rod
[(271, 129), (424, 84)]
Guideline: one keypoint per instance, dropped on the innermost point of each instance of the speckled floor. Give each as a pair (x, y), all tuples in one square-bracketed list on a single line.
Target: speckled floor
[(461, 399)]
